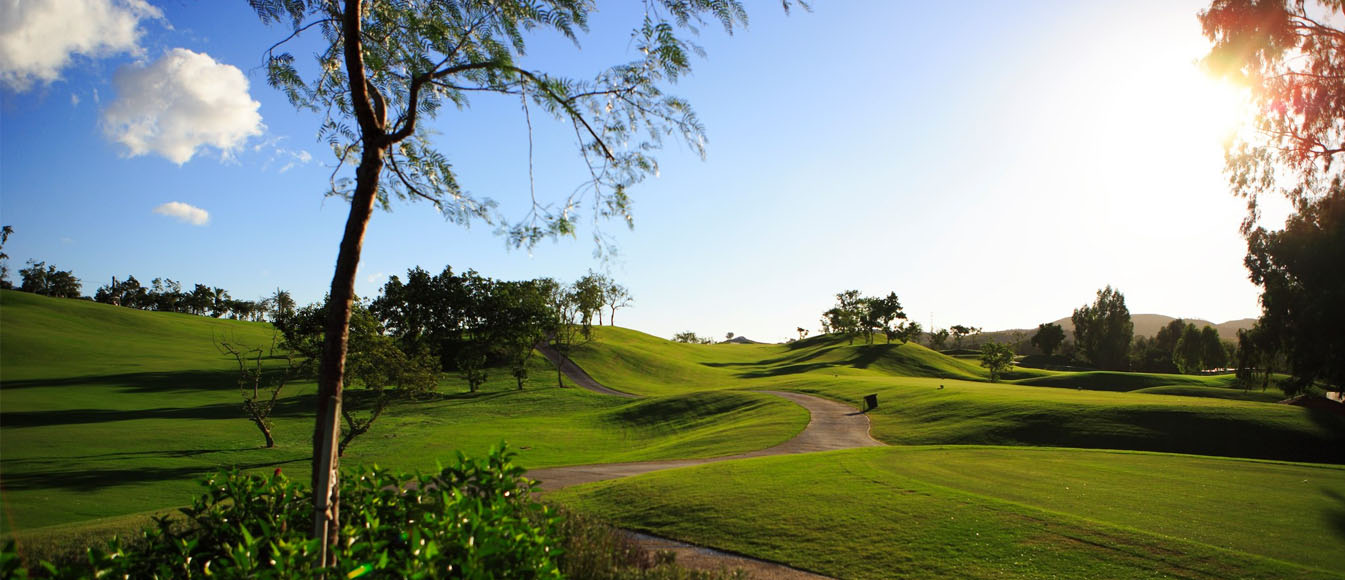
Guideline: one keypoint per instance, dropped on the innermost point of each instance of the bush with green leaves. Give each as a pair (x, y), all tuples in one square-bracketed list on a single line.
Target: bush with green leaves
[(474, 519)]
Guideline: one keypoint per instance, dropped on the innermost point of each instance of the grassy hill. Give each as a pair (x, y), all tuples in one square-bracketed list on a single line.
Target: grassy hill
[(108, 411), (995, 512), (929, 398)]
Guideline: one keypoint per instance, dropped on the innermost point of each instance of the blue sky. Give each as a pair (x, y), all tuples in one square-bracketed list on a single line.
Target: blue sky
[(992, 163)]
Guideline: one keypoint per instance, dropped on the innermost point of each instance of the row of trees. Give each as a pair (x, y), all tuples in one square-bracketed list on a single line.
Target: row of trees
[(1104, 337), (414, 330), (162, 295), (468, 322), (167, 295), (1289, 55), (855, 315)]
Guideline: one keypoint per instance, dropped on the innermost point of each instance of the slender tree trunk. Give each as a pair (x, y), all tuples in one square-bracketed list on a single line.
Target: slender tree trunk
[(331, 373), (266, 432)]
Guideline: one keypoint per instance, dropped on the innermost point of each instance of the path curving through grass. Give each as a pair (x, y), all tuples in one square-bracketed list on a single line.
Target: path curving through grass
[(831, 426)]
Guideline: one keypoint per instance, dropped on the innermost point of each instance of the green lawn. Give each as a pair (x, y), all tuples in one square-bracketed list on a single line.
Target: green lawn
[(92, 427), (1098, 410), (107, 413), (982, 512)]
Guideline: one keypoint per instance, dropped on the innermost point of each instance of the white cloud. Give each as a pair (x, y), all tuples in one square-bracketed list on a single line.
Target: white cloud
[(38, 38), (184, 213), (182, 102), (299, 157), (74, 100)]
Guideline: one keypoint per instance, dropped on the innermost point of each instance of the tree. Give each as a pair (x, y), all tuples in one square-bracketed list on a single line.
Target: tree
[(1212, 352), (588, 296), (938, 339), (803, 332), (128, 293), (996, 357), (1292, 56), (565, 330), (5, 232), (1188, 356), (884, 313), (167, 295), (848, 316), (282, 305), (616, 296), (1103, 331), (1048, 337), (251, 377), (390, 67), (39, 278), (906, 332), (959, 331), (686, 337), (1303, 291)]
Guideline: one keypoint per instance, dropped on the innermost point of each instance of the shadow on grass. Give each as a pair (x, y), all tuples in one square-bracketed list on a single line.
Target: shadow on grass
[(286, 407), (154, 382), (89, 480), (1336, 515)]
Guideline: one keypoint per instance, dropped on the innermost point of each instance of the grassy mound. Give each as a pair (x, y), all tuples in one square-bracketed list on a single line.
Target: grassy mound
[(110, 411), (996, 512), (635, 362), (1215, 392), (918, 412), (1117, 381), (1087, 409)]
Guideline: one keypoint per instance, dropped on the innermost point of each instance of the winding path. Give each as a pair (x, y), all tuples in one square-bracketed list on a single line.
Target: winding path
[(831, 426)]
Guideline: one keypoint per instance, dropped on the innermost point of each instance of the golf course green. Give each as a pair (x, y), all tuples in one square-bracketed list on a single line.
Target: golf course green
[(107, 414)]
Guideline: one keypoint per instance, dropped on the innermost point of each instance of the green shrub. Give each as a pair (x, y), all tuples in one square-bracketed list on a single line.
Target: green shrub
[(474, 519)]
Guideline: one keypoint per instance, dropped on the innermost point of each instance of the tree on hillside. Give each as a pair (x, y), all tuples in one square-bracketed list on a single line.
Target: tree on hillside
[(938, 339), (847, 317), (260, 390), (5, 232), (39, 278), (128, 293), (282, 305), (167, 295), (615, 296), (1048, 337), (997, 358), (1103, 330), (377, 368), (960, 331), (885, 312), (1188, 356), (1290, 54), (588, 295), (387, 68), (1212, 353), (687, 337)]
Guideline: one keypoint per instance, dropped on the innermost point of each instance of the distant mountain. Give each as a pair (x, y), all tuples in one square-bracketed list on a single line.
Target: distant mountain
[(1148, 325), (1145, 325)]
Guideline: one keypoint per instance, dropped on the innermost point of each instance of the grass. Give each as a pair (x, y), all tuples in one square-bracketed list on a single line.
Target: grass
[(95, 428), (997, 512), (928, 398), (106, 413), (1117, 381)]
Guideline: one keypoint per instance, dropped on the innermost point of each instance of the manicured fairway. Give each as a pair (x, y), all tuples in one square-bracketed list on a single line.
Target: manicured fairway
[(1098, 410), (102, 429), (998, 512)]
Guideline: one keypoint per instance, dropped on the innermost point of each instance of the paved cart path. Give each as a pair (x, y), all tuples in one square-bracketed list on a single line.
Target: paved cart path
[(831, 425)]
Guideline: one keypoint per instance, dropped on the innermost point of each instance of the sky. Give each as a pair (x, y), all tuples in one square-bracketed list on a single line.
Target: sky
[(995, 164)]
